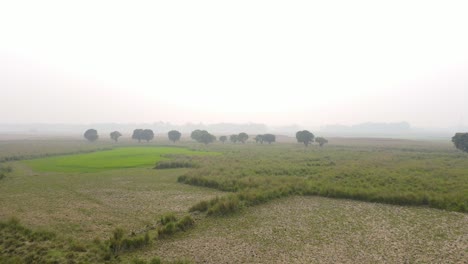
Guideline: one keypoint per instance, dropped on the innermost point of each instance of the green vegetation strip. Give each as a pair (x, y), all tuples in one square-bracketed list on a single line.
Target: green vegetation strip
[(125, 157), (257, 175)]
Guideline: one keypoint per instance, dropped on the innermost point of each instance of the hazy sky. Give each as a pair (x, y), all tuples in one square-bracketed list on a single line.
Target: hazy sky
[(277, 62)]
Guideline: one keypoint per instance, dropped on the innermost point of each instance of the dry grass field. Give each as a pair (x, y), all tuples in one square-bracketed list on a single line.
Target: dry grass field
[(323, 230)]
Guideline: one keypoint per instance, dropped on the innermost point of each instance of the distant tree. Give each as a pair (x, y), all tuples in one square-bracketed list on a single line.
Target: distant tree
[(196, 134), (322, 141), (234, 138), (202, 136), (460, 140), (174, 135), (91, 135), (115, 135), (137, 134), (269, 138), (148, 135), (305, 137), (258, 138), (242, 137), (206, 137), (222, 139)]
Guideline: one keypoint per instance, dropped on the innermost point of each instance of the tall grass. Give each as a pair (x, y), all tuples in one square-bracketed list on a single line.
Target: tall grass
[(402, 176), (171, 225), (120, 242)]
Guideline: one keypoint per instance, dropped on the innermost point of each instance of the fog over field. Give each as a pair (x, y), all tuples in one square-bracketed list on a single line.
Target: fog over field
[(211, 131), (314, 64)]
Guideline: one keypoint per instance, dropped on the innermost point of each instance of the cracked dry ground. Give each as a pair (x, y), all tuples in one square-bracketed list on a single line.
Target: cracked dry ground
[(322, 230)]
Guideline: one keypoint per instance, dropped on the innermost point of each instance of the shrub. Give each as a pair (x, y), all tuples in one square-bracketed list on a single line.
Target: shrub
[(174, 165), (170, 224), (185, 223), (167, 229), (201, 207), (169, 217), (119, 243), (225, 205)]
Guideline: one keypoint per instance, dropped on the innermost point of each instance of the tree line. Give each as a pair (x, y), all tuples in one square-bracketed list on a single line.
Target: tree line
[(460, 140), (203, 136)]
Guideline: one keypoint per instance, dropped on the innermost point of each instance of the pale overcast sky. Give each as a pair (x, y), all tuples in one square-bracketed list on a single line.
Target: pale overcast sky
[(277, 62)]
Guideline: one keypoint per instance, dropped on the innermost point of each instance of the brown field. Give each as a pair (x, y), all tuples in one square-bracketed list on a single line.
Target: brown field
[(323, 230)]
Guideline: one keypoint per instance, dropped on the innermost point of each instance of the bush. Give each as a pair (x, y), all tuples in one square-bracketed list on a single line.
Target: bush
[(225, 205), (119, 243), (167, 229), (170, 225), (201, 207), (185, 223), (174, 165), (169, 217)]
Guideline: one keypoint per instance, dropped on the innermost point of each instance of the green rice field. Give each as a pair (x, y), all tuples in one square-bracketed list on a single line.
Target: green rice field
[(118, 158)]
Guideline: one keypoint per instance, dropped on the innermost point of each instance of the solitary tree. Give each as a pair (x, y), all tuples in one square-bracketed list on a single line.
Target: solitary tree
[(137, 134), (115, 135), (174, 135), (322, 141), (269, 138), (222, 139), (258, 138), (305, 137), (460, 140), (148, 135), (234, 138), (242, 137), (91, 135)]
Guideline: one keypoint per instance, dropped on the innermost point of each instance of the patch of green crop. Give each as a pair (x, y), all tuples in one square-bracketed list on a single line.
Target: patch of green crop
[(118, 158)]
